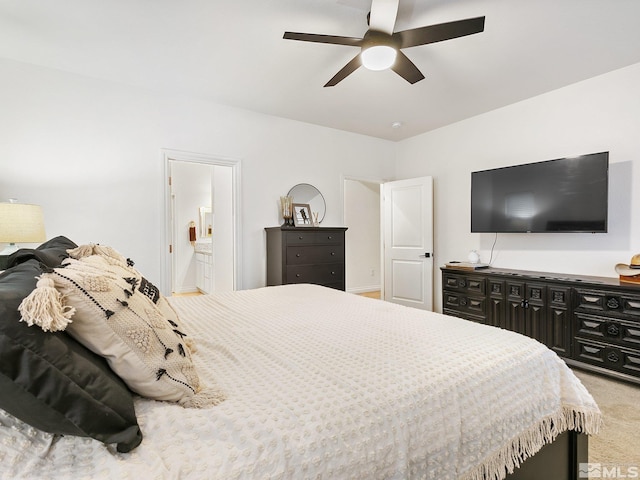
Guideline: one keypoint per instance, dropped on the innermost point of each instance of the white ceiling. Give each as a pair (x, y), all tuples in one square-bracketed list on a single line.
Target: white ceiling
[(232, 52)]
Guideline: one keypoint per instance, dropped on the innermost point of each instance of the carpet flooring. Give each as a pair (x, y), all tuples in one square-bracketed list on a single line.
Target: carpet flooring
[(618, 442)]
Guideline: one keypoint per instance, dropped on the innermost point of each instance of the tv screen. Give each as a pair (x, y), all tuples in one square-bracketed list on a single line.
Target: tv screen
[(563, 195)]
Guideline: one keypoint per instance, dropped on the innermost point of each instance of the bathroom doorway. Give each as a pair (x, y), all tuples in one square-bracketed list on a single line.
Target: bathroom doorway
[(202, 223)]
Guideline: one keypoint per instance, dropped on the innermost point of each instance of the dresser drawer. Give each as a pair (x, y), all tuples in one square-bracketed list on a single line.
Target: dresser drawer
[(466, 304), (608, 302), (330, 238), (314, 238), (318, 274), (300, 238), (608, 356), (464, 283), (608, 329), (304, 255)]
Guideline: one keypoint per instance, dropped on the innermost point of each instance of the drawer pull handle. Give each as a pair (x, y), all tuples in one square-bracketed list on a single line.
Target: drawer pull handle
[(613, 330), (300, 237), (333, 273), (613, 303), (297, 275), (333, 254), (613, 357), (297, 255), (329, 237)]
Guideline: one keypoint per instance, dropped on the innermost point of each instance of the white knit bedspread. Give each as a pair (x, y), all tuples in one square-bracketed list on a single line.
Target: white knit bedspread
[(327, 385)]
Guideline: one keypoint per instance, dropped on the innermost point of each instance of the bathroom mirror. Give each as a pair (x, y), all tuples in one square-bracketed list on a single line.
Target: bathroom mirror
[(306, 193), (206, 222)]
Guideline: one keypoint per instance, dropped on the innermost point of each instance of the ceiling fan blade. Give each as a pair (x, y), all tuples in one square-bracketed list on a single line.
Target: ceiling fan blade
[(440, 32), (313, 37), (406, 69), (383, 15), (347, 70)]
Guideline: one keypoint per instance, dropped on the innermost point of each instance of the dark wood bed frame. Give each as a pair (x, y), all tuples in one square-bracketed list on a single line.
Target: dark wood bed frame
[(559, 460)]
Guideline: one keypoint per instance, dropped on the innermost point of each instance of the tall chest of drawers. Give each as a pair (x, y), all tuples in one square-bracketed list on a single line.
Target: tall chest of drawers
[(306, 255)]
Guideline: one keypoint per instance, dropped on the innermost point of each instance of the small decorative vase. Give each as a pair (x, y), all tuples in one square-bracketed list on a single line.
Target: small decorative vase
[(474, 257), (286, 209)]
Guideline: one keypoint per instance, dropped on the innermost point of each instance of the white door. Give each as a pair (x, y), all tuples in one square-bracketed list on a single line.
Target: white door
[(408, 242)]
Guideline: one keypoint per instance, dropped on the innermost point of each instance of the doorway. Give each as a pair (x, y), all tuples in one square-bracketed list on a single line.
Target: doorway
[(369, 268), (201, 217), (361, 204)]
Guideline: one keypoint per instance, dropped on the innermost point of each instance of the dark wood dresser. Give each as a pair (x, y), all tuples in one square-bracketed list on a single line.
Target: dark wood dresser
[(591, 322), (306, 255)]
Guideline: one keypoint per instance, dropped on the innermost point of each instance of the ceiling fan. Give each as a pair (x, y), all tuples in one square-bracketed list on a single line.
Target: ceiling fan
[(380, 46)]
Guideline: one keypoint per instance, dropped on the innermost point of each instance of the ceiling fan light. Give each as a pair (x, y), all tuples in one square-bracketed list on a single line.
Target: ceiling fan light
[(378, 57)]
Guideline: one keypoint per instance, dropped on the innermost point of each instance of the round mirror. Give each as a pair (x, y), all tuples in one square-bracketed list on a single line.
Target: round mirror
[(306, 193)]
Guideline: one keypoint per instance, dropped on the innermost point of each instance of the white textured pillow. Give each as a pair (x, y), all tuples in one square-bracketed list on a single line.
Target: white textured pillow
[(111, 316), (106, 258)]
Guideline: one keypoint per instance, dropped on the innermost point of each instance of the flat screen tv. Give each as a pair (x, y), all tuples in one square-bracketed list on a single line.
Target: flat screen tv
[(563, 195)]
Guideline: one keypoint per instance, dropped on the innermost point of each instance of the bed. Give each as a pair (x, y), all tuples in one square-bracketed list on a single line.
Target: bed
[(318, 383)]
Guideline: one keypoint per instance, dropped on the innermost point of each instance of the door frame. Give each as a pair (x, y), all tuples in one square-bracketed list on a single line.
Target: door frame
[(166, 266)]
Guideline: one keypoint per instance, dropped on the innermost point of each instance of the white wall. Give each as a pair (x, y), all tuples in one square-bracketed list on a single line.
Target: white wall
[(89, 152), (600, 114)]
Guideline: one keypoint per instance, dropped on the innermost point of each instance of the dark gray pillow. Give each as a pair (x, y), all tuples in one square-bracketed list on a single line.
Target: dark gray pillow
[(51, 253), (52, 382)]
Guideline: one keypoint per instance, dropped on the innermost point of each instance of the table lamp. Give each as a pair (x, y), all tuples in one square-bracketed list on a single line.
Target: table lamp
[(22, 223)]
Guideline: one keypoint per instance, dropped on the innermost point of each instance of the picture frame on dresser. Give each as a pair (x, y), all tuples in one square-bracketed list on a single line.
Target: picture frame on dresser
[(302, 215)]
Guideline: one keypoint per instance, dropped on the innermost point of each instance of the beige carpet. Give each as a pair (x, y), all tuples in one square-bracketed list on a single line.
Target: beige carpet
[(618, 442)]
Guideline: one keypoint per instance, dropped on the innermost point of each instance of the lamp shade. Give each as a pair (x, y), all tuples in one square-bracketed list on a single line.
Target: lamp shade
[(22, 223)]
